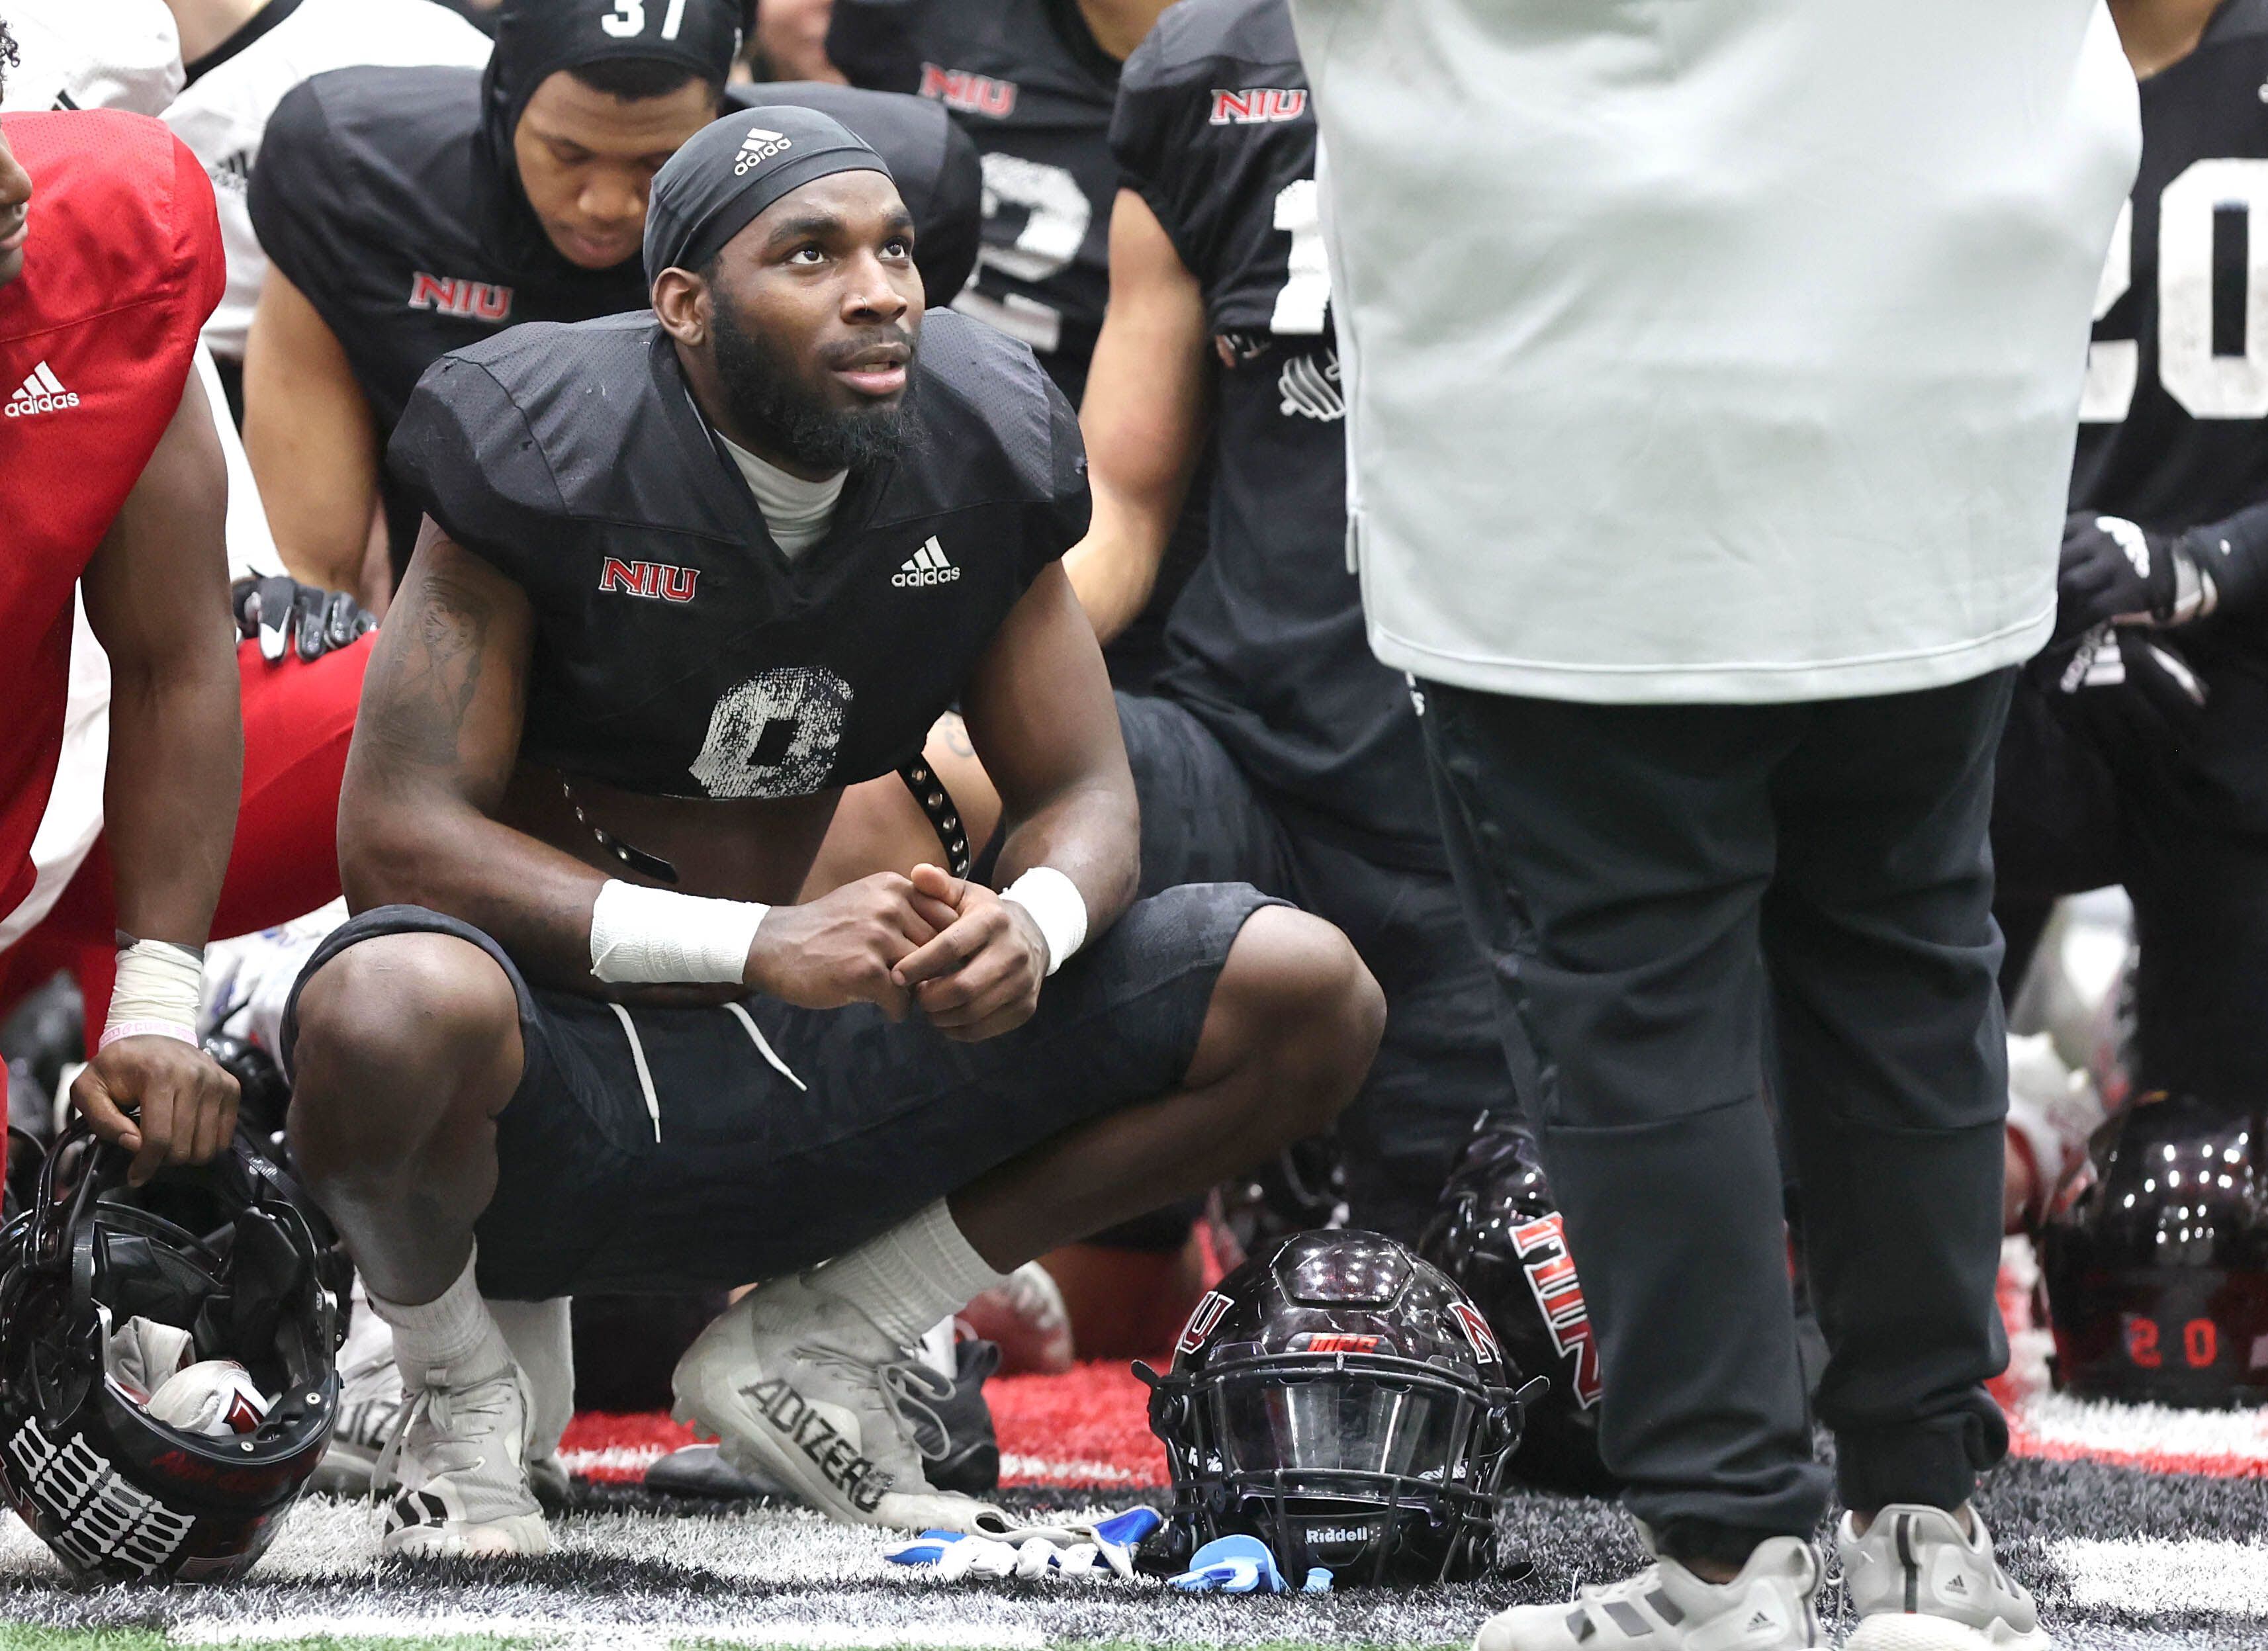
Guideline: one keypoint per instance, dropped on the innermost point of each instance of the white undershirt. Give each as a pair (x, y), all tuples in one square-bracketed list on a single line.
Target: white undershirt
[(797, 511)]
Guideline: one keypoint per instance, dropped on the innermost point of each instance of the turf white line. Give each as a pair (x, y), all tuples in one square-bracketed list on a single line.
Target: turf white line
[(450, 1624), (613, 1460), (2149, 1577), (1049, 1470), (2150, 1436)]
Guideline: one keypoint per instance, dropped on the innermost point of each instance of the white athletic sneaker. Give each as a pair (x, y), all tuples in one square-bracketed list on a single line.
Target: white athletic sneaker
[(1917, 1584), (1770, 1606), (801, 1389), (455, 1468), (370, 1405)]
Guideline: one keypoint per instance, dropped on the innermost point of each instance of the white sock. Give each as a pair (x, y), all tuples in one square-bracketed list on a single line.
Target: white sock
[(442, 1342), (540, 1335), (919, 1272)]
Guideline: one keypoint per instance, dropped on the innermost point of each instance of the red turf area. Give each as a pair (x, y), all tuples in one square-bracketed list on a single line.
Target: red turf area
[(1089, 1430), (1085, 1428)]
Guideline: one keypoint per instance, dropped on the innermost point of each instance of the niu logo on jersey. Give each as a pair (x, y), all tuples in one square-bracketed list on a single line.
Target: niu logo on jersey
[(453, 295), (657, 581), (1255, 106), (1542, 1247), (969, 93)]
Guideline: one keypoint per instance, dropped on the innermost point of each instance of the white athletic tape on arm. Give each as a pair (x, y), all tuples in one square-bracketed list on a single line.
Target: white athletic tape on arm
[(1057, 906), (157, 993), (642, 936)]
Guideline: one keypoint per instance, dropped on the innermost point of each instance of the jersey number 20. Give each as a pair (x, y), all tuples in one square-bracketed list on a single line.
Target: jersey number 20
[(2207, 384)]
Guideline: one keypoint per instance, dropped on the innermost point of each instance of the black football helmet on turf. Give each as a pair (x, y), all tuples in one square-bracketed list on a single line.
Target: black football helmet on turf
[(2156, 1265), (1498, 1234), (115, 1492), (1339, 1399)]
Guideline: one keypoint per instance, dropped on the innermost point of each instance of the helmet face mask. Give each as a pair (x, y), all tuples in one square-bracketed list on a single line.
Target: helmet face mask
[(1338, 1398), (2156, 1263), (113, 1491)]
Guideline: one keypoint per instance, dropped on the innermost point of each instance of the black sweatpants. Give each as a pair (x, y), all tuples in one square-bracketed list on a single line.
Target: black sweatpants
[(2098, 785), (1649, 881)]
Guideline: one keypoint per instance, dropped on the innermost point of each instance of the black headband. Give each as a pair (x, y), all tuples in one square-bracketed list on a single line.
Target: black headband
[(735, 167)]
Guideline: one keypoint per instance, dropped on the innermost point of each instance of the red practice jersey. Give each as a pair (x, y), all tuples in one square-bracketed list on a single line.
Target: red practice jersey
[(123, 266)]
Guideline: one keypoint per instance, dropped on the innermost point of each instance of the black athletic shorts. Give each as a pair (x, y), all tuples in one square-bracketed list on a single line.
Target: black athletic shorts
[(1443, 1062), (671, 1149)]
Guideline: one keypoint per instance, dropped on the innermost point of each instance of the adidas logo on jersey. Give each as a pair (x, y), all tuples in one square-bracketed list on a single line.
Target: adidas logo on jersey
[(758, 147), (41, 393), (928, 565)]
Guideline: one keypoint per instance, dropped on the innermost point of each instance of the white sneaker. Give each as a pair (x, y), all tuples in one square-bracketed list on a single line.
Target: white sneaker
[(455, 1467), (1770, 1606), (801, 1389), (370, 1405), (1917, 1584)]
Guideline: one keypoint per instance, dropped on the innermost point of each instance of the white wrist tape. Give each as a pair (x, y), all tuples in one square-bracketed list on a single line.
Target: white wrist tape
[(157, 994), (1057, 906), (642, 936)]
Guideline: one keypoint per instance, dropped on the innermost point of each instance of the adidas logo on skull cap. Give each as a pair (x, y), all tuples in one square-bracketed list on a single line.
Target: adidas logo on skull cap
[(758, 147)]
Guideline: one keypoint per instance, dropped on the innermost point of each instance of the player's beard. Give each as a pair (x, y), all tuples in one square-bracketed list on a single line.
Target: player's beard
[(771, 407)]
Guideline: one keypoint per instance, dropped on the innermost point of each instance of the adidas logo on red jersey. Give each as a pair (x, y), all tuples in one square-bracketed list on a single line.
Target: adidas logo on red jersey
[(41, 393)]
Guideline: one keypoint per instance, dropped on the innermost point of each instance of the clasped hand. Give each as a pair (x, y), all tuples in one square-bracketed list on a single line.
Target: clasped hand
[(970, 961)]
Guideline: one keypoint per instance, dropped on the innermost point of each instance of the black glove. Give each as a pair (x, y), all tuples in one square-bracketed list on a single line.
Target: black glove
[(2148, 678), (284, 614), (2115, 573)]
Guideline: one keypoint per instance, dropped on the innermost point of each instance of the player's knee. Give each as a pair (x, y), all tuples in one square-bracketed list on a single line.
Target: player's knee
[(1311, 1011), (390, 1031)]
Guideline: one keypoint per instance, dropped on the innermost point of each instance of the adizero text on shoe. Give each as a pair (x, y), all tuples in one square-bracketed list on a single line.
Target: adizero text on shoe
[(1770, 1606), (452, 1476), (370, 1406), (1919, 1584), (800, 1390)]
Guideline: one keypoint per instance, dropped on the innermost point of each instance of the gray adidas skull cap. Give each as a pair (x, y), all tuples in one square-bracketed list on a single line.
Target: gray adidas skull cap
[(735, 167)]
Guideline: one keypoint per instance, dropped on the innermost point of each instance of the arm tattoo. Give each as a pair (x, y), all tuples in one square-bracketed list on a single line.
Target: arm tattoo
[(955, 732), (430, 686)]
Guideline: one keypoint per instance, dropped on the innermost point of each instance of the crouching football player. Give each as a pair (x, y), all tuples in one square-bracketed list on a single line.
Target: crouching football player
[(687, 575)]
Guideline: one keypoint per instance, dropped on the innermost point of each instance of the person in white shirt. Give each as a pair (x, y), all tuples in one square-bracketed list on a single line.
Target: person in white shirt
[(240, 57), (1712, 370)]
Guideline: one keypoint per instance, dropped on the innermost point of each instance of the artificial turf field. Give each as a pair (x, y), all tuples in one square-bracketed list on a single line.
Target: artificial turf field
[(2144, 1530)]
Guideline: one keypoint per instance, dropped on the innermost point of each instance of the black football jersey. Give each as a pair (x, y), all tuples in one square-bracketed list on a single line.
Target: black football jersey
[(1027, 81), (1266, 643), (371, 195), (2174, 419), (677, 651)]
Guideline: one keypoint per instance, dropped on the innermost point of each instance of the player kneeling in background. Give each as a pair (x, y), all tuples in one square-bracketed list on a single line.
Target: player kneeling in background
[(661, 616)]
